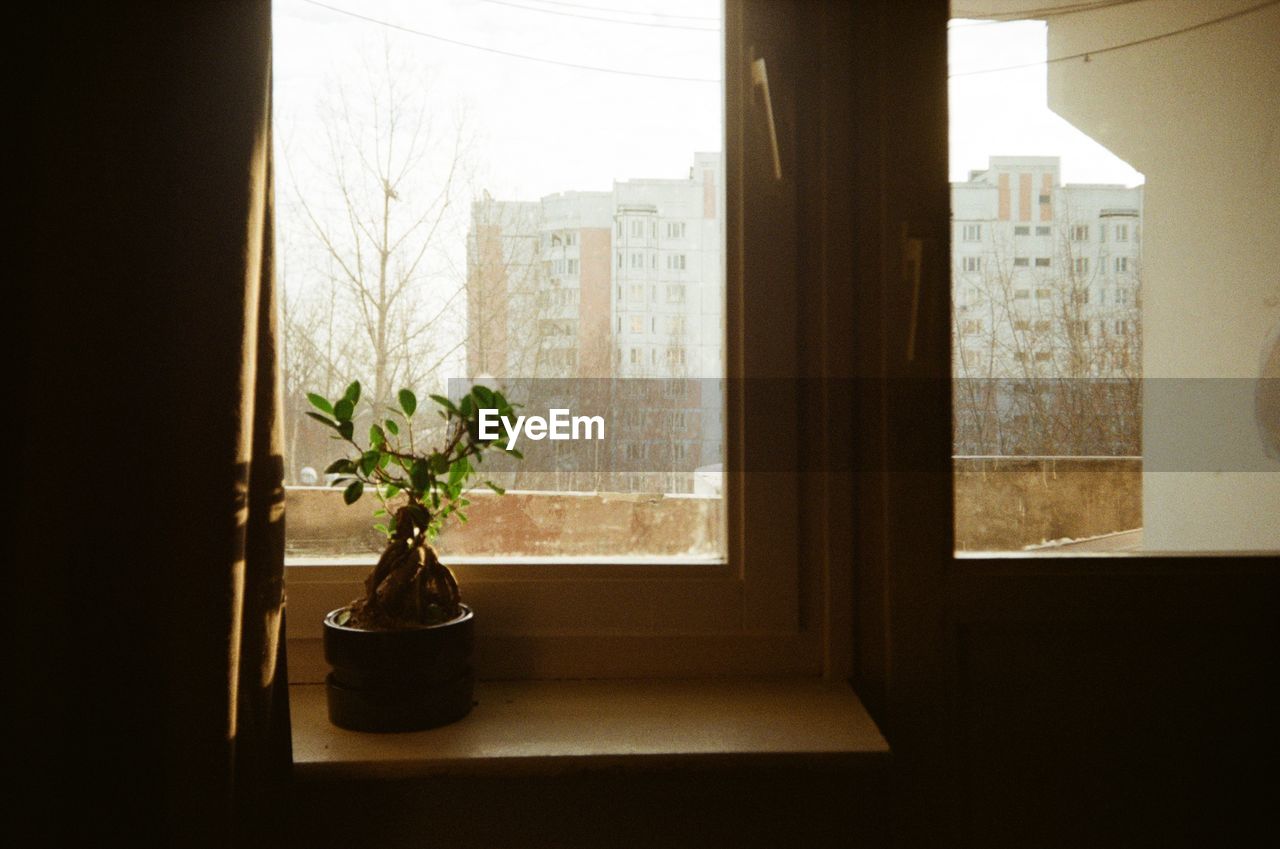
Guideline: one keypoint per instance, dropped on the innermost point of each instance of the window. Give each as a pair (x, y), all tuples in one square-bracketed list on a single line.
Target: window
[(1021, 294), (1080, 233), (637, 324), (972, 263), (1081, 265), (1021, 230), (1042, 262), (714, 193), (1043, 294), (1021, 262), (1042, 231), (1044, 200), (676, 262), (1122, 232), (972, 233)]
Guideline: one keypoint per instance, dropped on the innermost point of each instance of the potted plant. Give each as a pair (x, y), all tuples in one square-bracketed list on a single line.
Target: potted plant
[(401, 654)]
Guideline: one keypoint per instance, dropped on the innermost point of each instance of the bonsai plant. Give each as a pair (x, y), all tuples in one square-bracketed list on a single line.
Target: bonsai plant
[(401, 653)]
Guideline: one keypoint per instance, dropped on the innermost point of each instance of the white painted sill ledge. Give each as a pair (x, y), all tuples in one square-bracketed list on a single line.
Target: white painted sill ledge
[(562, 727)]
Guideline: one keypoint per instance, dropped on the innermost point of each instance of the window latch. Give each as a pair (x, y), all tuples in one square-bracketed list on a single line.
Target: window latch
[(760, 79)]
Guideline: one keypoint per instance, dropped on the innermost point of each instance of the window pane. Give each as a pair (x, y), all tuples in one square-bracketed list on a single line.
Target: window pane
[(1117, 323), (530, 197)]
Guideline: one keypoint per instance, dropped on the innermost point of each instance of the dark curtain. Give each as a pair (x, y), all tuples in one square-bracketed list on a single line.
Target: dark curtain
[(147, 654)]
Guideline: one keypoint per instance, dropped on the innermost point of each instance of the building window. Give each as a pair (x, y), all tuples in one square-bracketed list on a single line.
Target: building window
[(637, 324), (675, 293), (1021, 262), (1080, 233), (1043, 356), (1042, 262), (1043, 294), (1021, 230), (1021, 294), (675, 229), (1122, 264), (1044, 199), (973, 263), (1081, 265), (1042, 231), (676, 262), (972, 232), (1122, 232)]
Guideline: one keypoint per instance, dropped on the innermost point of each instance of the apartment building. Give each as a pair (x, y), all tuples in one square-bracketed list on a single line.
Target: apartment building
[(1047, 295)]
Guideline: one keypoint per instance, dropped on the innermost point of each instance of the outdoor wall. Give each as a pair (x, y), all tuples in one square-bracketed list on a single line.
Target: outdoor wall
[(1008, 503), (548, 524)]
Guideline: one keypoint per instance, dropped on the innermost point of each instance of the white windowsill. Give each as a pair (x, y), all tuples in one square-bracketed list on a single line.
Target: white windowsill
[(557, 727)]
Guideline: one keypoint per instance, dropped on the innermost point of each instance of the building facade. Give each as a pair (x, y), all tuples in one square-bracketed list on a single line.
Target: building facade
[(626, 283), (1047, 338)]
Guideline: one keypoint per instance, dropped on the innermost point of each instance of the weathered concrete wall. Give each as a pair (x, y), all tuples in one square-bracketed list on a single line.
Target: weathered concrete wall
[(1007, 503), (521, 523)]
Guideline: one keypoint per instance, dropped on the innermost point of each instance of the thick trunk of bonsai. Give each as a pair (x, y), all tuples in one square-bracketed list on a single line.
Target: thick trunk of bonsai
[(409, 587)]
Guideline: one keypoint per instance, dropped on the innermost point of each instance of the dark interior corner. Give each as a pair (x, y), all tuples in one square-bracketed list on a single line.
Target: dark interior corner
[(1026, 703)]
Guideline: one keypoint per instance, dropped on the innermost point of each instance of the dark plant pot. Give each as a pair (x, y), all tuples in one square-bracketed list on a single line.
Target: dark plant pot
[(399, 680)]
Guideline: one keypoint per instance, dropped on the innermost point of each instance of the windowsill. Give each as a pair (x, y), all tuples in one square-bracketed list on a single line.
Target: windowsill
[(559, 727)]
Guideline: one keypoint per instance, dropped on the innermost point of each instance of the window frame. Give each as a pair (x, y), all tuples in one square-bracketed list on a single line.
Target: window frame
[(767, 609)]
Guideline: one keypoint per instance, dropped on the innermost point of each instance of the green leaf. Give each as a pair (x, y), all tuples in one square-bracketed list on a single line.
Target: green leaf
[(484, 396), (439, 463), (514, 453), (342, 466), (467, 407), (320, 403), (495, 487), (353, 393), (379, 513), (344, 409), (346, 429), (343, 618), (390, 491), (408, 402), (444, 402), (382, 528), (368, 461), (353, 492), (459, 470), (420, 475), (392, 428), (324, 420), (377, 437), (462, 517)]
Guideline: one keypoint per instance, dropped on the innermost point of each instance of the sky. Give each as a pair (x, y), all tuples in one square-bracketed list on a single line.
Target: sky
[(540, 128)]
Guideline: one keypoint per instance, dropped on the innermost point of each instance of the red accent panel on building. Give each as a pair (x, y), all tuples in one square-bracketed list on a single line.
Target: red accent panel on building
[(487, 300), (1024, 197), (1005, 199), (595, 341), (708, 193)]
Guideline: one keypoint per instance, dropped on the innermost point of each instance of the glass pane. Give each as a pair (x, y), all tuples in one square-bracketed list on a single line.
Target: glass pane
[(528, 196), (1116, 311)]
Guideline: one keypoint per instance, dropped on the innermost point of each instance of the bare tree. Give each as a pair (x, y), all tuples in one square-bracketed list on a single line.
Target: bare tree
[(1047, 352), (377, 212)]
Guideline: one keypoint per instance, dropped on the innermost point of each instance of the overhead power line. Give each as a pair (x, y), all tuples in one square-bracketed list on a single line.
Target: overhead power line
[(509, 53), (711, 18), (1110, 48), (581, 17)]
